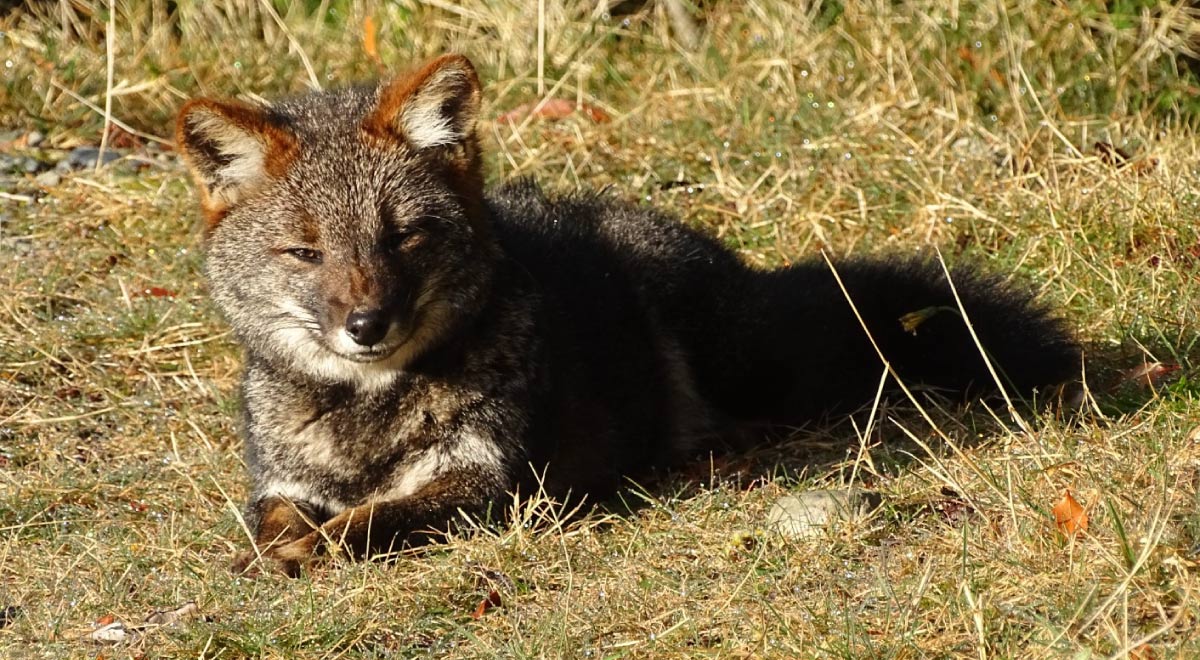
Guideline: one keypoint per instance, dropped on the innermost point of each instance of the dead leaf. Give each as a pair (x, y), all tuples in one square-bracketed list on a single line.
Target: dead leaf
[(158, 292), (168, 617), (492, 600), (370, 41), (112, 633), (1069, 515), (105, 620), (553, 110), (1148, 375), (1143, 652), (119, 138)]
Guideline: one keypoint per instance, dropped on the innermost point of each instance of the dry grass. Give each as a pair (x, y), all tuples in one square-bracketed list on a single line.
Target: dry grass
[(884, 126)]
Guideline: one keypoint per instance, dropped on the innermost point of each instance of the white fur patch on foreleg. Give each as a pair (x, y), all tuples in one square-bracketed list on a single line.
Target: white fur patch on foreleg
[(472, 450)]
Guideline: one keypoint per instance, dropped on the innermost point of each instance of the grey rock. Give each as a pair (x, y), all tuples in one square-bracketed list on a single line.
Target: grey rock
[(34, 138), (808, 514), (20, 164), (82, 158), (48, 179)]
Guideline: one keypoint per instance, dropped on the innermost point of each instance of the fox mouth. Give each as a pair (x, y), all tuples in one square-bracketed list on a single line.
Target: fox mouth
[(376, 353)]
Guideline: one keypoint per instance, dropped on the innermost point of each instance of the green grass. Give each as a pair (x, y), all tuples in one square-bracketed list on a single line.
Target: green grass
[(865, 128)]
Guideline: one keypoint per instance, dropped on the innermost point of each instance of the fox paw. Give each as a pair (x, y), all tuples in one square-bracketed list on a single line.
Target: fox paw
[(247, 564)]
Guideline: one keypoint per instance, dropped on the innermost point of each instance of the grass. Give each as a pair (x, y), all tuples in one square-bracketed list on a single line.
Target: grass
[(856, 127)]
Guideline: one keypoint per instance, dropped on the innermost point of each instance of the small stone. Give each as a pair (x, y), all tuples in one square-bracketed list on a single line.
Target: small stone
[(48, 179), (82, 158), (807, 515), (19, 164), (34, 138), (970, 146)]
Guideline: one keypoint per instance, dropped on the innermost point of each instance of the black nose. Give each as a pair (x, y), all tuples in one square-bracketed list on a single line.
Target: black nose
[(366, 327)]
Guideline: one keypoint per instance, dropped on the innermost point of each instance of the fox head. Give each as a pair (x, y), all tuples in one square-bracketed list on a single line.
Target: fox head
[(346, 232)]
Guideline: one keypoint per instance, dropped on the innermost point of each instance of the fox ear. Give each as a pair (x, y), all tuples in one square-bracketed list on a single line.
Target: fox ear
[(434, 107), (231, 149)]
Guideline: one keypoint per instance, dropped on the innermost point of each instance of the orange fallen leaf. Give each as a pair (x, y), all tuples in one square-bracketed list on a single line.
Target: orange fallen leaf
[(553, 110), (105, 620), (157, 292), (492, 600), (1069, 515), (1148, 375), (370, 40)]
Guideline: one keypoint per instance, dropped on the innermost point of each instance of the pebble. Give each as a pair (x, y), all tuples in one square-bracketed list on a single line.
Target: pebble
[(82, 158), (21, 164), (808, 514), (48, 179)]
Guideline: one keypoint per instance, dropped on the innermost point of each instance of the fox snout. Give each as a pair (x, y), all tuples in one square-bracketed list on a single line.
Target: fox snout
[(367, 327)]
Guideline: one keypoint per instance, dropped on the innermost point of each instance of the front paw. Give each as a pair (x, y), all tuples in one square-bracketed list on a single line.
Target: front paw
[(250, 563), (304, 551)]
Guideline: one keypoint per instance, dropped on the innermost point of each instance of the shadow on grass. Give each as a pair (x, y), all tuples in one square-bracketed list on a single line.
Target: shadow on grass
[(1121, 380)]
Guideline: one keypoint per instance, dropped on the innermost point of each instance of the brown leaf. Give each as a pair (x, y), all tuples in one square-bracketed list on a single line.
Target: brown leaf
[(370, 41), (553, 110), (492, 600), (1069, 515), (159, 292), (111, 633), (1148, 375), (167, 617), (1143, 652), (119, 138)]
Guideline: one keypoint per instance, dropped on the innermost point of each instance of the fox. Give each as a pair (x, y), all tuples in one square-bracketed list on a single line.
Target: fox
[(418, 346)]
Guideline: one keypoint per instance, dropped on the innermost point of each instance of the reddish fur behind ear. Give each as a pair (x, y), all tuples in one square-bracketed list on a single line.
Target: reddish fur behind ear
[(205, 146)]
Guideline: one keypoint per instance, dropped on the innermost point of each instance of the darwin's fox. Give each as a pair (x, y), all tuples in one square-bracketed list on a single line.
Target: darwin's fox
[(417, 347)]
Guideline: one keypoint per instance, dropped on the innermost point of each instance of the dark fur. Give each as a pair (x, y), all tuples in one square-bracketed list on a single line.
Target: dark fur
[(582, 339)]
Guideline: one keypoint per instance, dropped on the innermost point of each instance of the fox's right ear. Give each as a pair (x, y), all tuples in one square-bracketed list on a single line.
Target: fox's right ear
[(434, 107), (231, 148)]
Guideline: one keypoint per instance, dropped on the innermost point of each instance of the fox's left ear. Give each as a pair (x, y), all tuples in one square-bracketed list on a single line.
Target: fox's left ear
[(435, 107)]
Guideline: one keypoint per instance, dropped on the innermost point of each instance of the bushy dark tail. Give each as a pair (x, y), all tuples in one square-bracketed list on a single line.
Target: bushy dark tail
[(797, 351)]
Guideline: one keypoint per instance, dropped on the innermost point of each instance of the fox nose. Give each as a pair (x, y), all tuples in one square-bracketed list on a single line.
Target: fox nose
[(367, 326)]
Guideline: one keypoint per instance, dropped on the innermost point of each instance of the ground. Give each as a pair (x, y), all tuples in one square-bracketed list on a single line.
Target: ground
[(1054, 142)]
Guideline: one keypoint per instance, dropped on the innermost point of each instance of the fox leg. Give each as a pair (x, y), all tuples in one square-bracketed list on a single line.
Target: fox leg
[(386, 524), (279, 522)]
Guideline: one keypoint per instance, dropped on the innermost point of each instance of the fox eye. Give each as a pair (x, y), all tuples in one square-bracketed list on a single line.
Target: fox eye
[(402, 240), (307, 255)]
